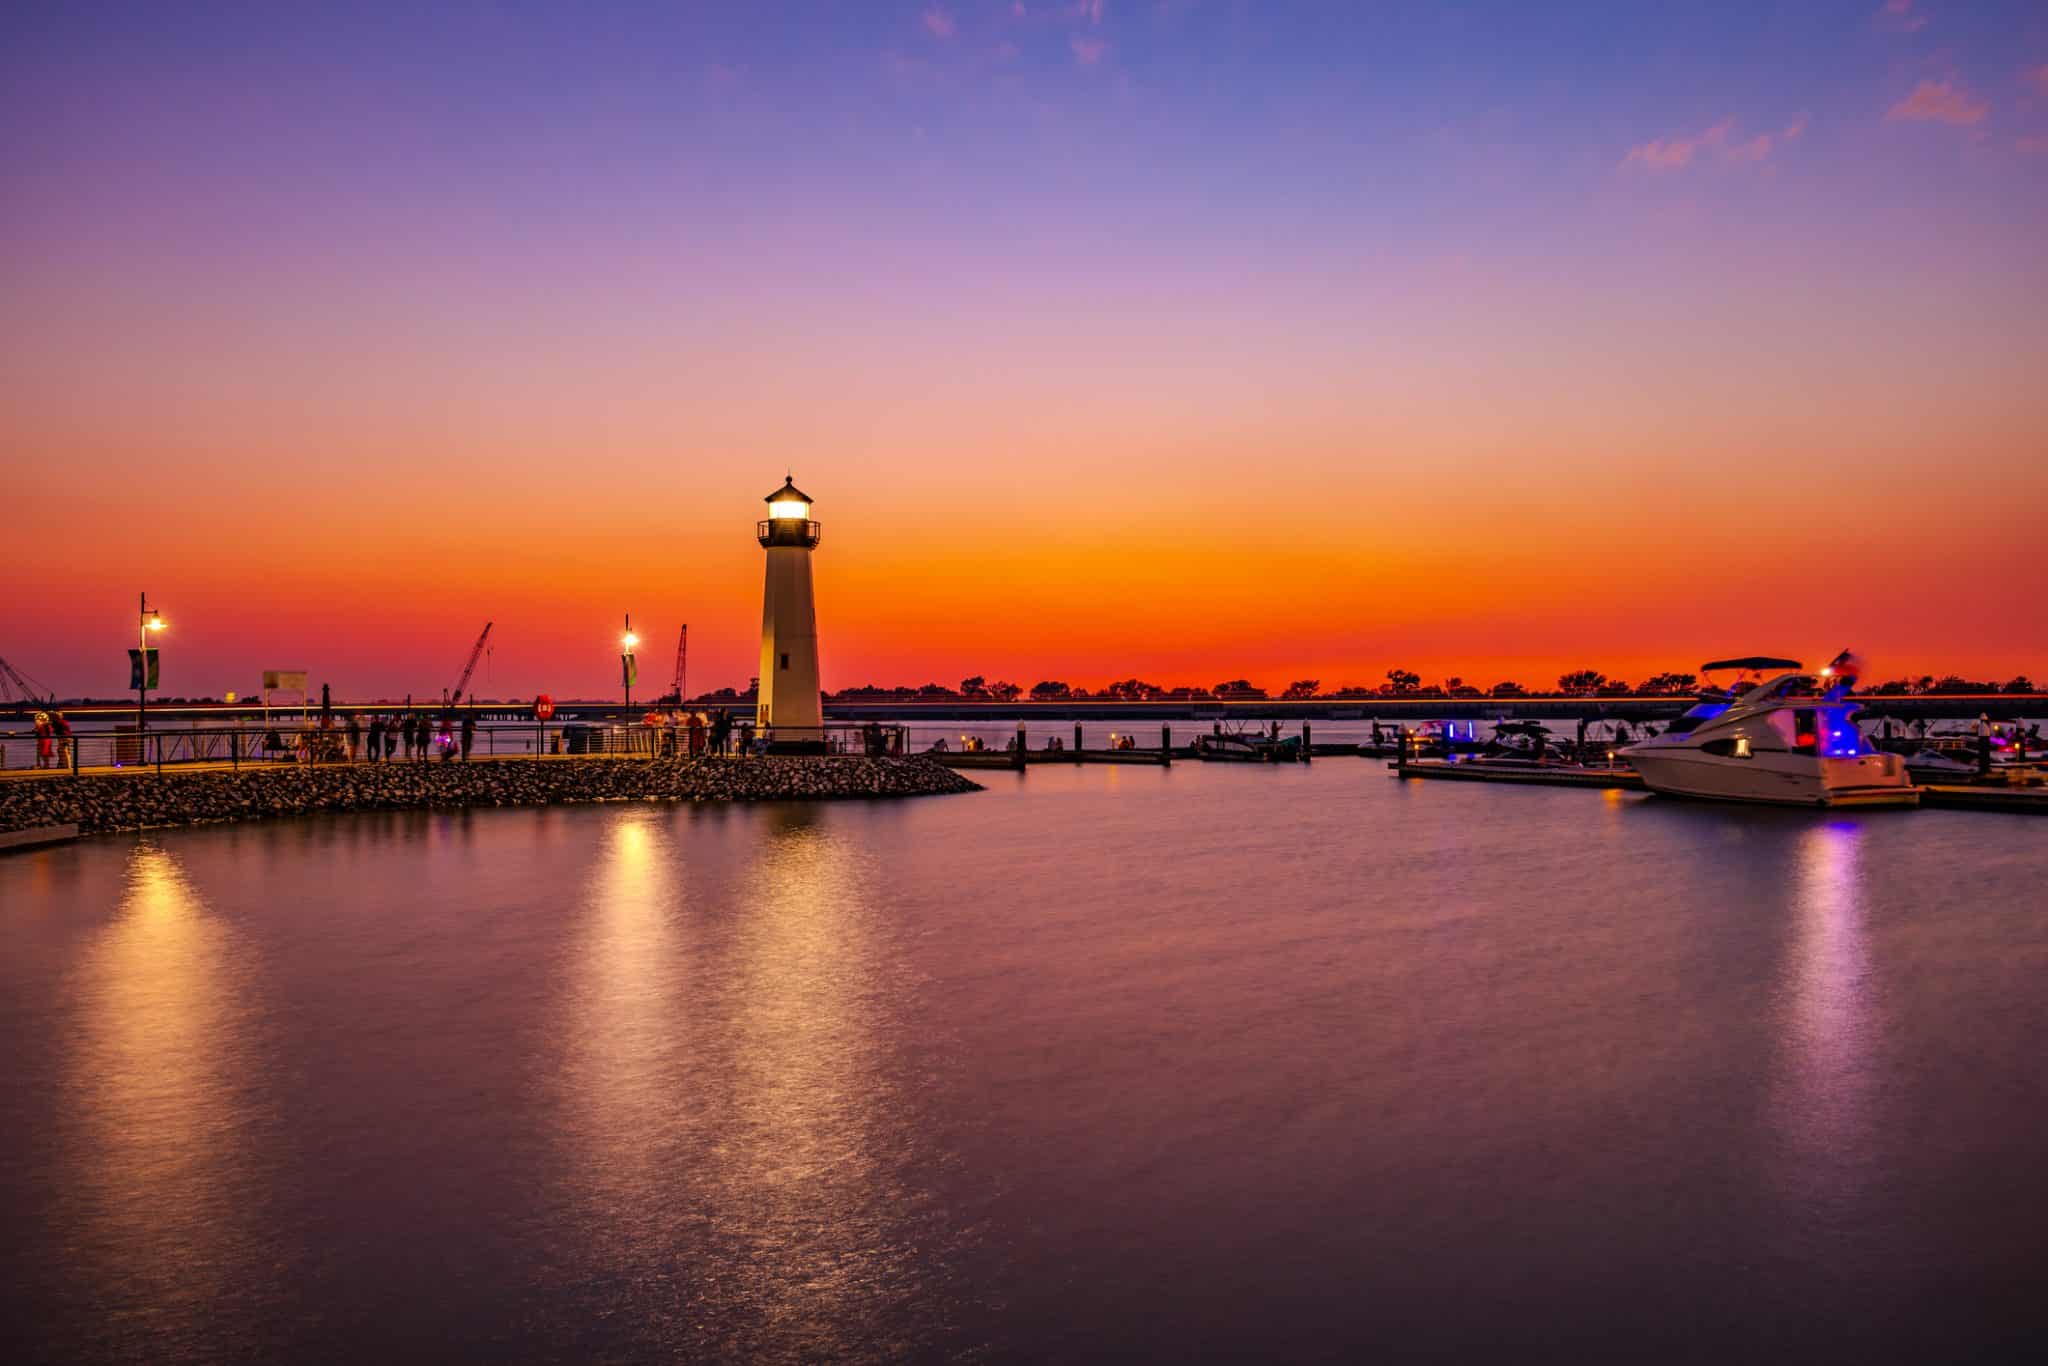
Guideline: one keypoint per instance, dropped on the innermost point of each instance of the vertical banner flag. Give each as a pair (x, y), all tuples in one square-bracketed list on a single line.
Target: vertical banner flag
[(142, 668), (629, 669)]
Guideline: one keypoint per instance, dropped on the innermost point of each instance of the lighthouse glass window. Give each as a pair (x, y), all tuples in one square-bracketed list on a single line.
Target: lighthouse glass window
[(789, 507)]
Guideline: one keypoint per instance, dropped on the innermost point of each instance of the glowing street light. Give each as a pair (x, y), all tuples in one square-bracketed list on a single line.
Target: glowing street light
[(629, 668), (148, 621)]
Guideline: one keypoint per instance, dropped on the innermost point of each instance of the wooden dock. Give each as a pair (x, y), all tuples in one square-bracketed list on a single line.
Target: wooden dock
[(1037, 758), (1986, 797), (1528, 775)]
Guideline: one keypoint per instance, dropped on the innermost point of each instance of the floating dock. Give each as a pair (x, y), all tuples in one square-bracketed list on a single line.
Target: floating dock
[(1986, 797), (1528, 775), (1035, 758)]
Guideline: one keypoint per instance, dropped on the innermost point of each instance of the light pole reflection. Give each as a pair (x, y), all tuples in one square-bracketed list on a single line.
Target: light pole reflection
[(155, 1083), (627, 1027)]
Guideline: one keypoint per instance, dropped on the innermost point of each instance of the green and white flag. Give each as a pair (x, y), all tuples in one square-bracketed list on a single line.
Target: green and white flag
[(142, 668)]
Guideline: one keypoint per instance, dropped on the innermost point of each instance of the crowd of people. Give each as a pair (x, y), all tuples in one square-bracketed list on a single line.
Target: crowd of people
[(417, 736)]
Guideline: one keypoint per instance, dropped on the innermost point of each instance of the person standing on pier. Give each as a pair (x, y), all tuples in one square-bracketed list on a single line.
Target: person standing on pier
[(468, 734), (352, 730), (408, 728), (44, 739), (721, 731), (60, 727), (375, 751)]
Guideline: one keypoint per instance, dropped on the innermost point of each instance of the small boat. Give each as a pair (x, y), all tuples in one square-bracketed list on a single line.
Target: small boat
[(1247, 748), (1519, 742), (1933, 766), (1790, 740)]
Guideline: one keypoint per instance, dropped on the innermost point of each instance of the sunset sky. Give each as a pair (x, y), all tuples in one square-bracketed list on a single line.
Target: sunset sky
[(1190, 340)]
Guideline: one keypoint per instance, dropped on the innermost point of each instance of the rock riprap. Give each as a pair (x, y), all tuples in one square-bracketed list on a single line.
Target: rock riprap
[(132, 801)]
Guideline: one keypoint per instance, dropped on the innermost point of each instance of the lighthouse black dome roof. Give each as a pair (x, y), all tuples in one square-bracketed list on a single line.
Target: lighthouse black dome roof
[(788, 492)]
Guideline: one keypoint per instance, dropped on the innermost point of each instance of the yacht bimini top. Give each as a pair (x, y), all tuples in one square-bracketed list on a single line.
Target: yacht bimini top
[(1748, 663)]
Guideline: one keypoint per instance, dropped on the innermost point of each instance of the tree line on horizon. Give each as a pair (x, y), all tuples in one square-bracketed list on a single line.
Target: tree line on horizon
[(1399, 683)]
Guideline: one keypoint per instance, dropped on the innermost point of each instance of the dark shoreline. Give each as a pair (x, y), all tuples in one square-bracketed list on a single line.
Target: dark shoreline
[(1392, 709), (102, 802)]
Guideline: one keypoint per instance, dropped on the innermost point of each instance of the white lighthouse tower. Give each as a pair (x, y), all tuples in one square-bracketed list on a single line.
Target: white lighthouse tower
[(789, 708)]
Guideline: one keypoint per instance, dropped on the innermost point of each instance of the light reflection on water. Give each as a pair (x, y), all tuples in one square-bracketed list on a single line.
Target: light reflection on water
[(724, 1090), (625, 1023), (1281, 1063), (159, 1157), (803, 1171), (1824, 1093)]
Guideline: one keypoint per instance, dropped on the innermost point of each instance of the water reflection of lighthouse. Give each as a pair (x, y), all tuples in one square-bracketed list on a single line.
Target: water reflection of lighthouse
[(788, 708)]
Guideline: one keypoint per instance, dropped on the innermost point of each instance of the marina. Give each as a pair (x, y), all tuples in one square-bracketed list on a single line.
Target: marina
[(1195, 835)]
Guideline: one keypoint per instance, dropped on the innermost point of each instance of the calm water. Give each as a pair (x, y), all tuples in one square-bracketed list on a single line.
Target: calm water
[(1211, 1062)]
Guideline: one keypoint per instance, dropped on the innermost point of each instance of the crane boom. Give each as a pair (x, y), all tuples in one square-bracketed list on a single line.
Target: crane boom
[(475, 652), (12, 680), (682, 664)]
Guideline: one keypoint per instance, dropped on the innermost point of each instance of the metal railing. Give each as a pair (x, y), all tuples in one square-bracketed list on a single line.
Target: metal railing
[(789, 531), (189, 747)]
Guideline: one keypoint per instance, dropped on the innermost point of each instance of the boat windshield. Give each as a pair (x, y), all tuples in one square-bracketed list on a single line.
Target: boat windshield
[(1786, 685), (1705, 711)]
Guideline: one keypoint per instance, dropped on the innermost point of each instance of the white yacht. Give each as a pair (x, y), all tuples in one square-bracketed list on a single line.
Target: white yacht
[(1790, 739)]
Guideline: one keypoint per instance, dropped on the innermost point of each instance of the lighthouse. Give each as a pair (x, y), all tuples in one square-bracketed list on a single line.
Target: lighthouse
[(788, 708)]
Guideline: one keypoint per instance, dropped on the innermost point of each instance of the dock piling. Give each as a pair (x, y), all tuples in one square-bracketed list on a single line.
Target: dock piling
[(1308, 750), (1166, 744)]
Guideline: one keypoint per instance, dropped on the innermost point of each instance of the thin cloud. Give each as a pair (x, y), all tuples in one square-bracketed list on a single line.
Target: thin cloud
[(1939, 102), (1763, 144), (938, 22), (1900, 17), (1671, 154), (1717, 143), (1088, 51)]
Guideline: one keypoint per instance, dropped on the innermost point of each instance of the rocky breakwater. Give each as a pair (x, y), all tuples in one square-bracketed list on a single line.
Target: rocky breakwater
[(143, 800)]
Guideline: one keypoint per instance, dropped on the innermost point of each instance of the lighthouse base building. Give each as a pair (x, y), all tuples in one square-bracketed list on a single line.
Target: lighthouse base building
[(789, 709)]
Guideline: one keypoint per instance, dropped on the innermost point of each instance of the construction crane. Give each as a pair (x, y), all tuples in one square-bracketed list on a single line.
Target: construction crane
[(13, 681), (674, 696), (475, 653)]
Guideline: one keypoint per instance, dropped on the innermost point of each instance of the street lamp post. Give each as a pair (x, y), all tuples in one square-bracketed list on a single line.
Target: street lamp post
[(147, 621), (627, 664)]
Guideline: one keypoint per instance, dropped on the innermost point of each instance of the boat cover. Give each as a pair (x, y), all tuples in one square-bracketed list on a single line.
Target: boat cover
[(1750, 662)]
